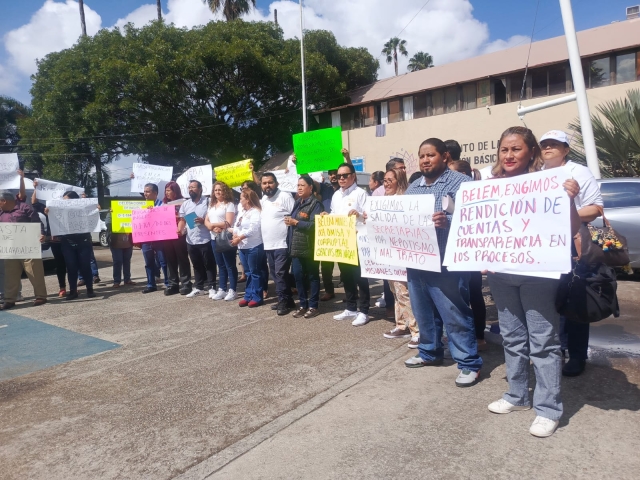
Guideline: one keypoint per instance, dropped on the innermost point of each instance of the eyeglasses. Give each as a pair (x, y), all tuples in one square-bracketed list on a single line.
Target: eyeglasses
[(343, 175), (388, 181)]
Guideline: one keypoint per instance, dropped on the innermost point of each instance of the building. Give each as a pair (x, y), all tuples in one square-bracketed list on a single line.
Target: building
[(473, 101)]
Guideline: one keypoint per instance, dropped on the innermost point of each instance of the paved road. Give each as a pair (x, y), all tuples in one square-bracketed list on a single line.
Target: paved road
[(198, 389)]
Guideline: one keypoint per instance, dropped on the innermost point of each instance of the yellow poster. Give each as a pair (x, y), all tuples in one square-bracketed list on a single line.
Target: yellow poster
[(234, 174), (336, 239), (121, 213)]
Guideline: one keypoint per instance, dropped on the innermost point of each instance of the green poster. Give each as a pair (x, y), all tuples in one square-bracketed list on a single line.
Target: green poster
[(318, 150)]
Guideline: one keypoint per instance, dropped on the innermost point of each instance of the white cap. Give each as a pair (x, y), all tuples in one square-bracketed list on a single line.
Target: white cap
[(557, 135), (317, 177)]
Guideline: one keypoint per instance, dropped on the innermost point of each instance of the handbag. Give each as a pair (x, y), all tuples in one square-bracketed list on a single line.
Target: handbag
[(223, 240), (588, 294), (601, 245)]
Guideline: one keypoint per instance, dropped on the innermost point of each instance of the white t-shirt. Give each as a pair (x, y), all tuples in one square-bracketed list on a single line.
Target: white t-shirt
[(274, 209), (353, 198), (248, 224), (589, 190), (218, 214)]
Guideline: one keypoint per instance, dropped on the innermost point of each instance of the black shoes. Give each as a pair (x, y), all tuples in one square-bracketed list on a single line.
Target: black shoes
[(90, 294), (185, 290), (150, 289), (72, 295), (284, 308), (172, 291), (574, 367)]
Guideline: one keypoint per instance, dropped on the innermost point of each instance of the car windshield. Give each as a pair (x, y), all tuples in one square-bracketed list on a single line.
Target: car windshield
[(620, 194)]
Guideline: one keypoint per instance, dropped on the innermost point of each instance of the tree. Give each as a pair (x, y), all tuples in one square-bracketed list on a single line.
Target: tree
[(231, 9), (82, 21), (391, 49), (159, 8), (616, 129), (420, 61), (10, 111)]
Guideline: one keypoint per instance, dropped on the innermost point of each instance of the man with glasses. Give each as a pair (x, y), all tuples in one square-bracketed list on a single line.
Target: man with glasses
[(350, 200)]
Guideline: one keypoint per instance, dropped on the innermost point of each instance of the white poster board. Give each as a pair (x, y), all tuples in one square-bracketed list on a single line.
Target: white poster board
[(369, 267), (518, 225), (49, 190), (9, 165), (287, 182), (203, 174), (144, 173), (73, 216), (20, 241), (401, 231)]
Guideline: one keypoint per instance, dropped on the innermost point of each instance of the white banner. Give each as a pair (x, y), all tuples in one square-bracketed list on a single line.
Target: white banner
[(518, 225), (287, 182), (20, 241), (369, 267), (73, 216), (203, 173), (48, 190), (144, 173), (9, 165), (401, 232)]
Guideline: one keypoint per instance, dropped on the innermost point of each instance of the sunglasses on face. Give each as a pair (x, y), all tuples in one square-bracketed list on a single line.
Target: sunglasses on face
[(343, 175)]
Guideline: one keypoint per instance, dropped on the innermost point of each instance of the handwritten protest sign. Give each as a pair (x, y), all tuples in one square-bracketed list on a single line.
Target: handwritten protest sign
[(20, 241), (513, 225), (121, 214), (402, 233), (9, 178), (369, 267), (234, 174), (336, 239), (203, 174), (154, 224), (48, 190), (144, 173), (287, 182), (73, 216), (318, 150)]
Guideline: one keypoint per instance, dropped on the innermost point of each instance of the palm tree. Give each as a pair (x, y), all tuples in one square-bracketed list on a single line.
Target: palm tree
[(617, 133), (82, 22), (159, 7), (231, 9), (420, 61), (391, 49)]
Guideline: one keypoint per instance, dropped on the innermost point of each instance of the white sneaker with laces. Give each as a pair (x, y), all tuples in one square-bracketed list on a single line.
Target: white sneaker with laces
[(361, 319), (231, 295), (195, 292), (467, 378), (381, 303), (502, 406), (212, 293), (219, 295), (543, 427), (345, 315)]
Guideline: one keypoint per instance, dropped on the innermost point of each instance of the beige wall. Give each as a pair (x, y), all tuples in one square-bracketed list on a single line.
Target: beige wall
[(477, 130)]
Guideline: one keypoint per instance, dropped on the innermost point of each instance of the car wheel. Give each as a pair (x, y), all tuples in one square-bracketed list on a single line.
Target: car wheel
[(104, 238)]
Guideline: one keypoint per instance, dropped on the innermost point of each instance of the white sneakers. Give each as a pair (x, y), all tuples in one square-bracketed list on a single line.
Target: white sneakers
[(380, 303), (541, 427), (195, 292), (219, 295), (361, 319), (212, 292), (347, 314), (467, 378), (502, 406), (231, 295)]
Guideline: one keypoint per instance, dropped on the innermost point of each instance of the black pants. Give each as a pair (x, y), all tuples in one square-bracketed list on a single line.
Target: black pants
[(279, 263), (477, 304), (177, 258), (61, 266), (356, 288), (577, 338), (327, 276), (389, 299), (204, 265)]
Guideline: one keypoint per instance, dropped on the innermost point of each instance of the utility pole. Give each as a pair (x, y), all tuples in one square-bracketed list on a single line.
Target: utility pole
[(304, 86)]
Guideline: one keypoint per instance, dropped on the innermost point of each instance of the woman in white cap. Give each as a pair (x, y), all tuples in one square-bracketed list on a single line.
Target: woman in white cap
[(555, 149)]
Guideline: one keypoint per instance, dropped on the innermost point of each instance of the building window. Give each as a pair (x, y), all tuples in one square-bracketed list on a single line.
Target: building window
[(437, 100), (367, 116), (420, 105), (335, 118), (451, 100), (499, 86), (557, 79), (395, 111), (469, 94), (407, 108), (346, 118), (599, 72), (515, 87), (484, 93), (626, 68), (538, 83)]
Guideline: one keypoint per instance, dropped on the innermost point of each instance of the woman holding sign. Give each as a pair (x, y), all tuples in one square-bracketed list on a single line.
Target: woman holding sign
[(526, 307), (175, 251)]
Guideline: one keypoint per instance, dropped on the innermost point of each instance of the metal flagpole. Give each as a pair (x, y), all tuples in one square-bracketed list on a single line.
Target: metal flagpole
[(304, 86)]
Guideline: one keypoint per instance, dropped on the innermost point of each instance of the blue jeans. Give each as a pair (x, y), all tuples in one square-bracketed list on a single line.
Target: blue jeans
[(252, 260), (529, 327), (94, 267), (443, 298), (307, 275), (227, 268), (121, 262), (77, 255), (149, 252)]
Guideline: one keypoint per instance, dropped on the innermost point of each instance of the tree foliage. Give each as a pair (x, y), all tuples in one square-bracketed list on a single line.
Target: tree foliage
[(11, 110), (231, 9), (420, 61), (391, 50)]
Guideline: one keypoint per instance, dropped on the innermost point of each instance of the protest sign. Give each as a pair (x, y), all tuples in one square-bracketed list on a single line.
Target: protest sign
[(20, 241), (336, 239), (73, 216), (154, 224), (234, 174), (368, 266), (48, 190), (516, 225), (121, 213), (144, 173), (287, 182), (402, 233), (318, 150), (9, 178), (203, 174)]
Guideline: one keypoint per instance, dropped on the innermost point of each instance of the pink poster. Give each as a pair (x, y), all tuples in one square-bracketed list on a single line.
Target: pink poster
[(153, 224)]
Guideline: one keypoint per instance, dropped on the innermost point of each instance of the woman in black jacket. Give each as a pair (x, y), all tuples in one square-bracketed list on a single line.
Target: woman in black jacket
[(300, 239)]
